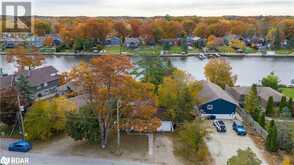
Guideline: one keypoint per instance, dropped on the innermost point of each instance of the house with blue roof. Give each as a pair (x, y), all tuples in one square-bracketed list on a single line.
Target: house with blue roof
[(36, 41), (113, 41), (213, 100)]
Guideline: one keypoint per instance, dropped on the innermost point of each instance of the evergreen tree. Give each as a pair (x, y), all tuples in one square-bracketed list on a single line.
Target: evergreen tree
[(166, 46), (261, 120), (270, 106), (184, 107), (152, 70), (290, 106), (257, 112), (272, 137), (283, 103), (184, 45), (291, 43), (277, 39), (252, 103), (25, 88)]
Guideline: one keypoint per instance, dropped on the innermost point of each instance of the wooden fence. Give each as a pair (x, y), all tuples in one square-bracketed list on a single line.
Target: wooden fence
[(252, 123)]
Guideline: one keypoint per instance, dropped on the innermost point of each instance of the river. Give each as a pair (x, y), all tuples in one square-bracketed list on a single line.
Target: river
[(249, 70)]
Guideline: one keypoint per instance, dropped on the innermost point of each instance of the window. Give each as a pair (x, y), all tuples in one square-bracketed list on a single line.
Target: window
[(209, 106)]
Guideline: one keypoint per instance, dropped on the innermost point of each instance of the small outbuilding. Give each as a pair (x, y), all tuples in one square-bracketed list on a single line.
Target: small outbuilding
[(213, 100), (165, 126)]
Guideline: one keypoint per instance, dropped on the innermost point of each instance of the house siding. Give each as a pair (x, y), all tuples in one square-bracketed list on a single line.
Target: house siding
[(219, 106), (42, 90)]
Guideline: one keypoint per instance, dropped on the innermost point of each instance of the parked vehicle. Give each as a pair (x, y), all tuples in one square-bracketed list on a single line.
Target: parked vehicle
[(211, 117), (239, 128), (219, 125), (20, 146), (202, 56)]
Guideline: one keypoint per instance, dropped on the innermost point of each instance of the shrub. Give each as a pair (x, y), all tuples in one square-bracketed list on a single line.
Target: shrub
[(99, 47), (284, 138), (83, 125), (190, 141), (286, 161), (244, 157), (46, 118), (249, 50), (226, 49)]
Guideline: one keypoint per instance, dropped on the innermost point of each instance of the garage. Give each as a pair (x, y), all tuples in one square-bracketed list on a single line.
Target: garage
[(213, 100)]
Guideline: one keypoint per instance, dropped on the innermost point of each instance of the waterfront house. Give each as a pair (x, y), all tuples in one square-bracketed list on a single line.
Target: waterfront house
[(56, 39), (113, 41), (11, 40), (239, 93), (35, 41), (44, 80), (132, 43), (169, 42), (213, 100), (9, 44), (230, 38), (191, 41)]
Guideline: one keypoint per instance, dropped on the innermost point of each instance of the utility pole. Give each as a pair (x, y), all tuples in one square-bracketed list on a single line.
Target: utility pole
[(20, 109), (117, 124)]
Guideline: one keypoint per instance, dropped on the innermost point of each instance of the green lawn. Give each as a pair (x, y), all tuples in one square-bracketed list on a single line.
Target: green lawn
[(146, 50), (288, 92), (285, 51)]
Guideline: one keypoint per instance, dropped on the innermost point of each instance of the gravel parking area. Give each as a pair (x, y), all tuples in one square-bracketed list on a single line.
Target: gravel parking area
[(223, 146)]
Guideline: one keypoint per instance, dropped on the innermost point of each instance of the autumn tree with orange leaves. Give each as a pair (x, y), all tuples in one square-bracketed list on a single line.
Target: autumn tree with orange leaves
[(48, 41), (122, 30), (42, 27), (135, 27), (25, 58), (104, 81), (219, 71)]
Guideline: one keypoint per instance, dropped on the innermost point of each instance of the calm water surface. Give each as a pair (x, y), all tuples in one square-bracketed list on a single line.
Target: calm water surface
[(249, 70)]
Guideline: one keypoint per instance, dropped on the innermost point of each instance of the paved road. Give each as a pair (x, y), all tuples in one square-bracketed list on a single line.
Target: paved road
[(223, 146), (42, 159), (47, 159)]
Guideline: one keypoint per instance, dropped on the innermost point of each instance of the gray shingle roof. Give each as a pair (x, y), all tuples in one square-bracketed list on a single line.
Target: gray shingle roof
[(35, 76), (6, 81), (263, 92), (211, 91), (41, 75)]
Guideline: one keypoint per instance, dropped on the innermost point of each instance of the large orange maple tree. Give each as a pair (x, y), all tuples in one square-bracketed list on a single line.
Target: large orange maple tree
[(25, 58), (104, 81)]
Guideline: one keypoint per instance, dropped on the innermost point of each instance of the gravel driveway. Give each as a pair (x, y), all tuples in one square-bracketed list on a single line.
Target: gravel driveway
[(223, 146)]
